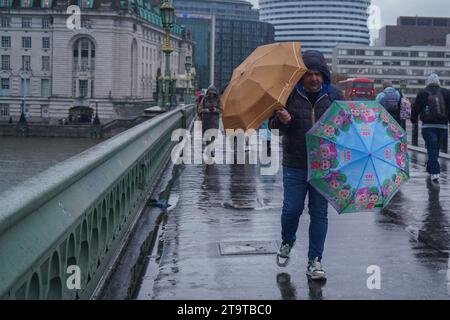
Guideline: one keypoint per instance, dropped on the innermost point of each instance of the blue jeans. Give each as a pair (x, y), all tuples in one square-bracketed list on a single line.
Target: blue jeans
[(433, 140), (295, 189)]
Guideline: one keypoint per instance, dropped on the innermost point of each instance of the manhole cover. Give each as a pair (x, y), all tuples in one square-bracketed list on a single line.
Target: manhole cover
[(247, 247)]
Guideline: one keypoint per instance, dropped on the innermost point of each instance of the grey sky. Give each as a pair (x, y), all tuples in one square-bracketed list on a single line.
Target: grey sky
[(391, 9)]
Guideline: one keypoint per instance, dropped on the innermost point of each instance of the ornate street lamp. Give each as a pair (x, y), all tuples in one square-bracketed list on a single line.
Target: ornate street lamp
[(167, 19), (188, 66)]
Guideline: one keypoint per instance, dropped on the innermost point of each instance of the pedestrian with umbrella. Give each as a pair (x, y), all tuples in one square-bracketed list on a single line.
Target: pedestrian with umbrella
[(350, 154), (210, 109), (310, 98)]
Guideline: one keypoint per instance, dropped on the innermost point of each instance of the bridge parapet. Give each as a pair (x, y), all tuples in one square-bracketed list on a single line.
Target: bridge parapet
[(78, 212)]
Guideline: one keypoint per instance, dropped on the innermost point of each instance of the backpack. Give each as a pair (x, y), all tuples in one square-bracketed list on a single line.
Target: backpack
[(435, 110), (405, 109), (391, 103)]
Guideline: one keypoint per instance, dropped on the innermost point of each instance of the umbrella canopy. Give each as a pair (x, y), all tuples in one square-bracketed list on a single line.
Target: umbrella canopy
[(261, 84), (357, 156)]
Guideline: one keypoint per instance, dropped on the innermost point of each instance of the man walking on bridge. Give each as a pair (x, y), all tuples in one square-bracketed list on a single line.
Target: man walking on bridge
[(308, 101)]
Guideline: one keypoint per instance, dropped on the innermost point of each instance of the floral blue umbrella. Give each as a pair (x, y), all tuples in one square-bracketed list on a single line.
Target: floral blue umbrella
[(357, 156)]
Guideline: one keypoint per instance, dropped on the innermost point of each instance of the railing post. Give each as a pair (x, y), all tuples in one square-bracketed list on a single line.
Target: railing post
[(415, 134)]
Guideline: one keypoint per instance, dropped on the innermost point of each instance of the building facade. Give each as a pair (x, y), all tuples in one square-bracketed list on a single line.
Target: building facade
[(411, 31), (319, 25), (54, 60), (406, 67), (225, 32)]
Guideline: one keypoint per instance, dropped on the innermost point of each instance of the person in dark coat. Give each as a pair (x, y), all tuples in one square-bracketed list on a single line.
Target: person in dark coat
[(432, 105), (307, 103), (210, 109)]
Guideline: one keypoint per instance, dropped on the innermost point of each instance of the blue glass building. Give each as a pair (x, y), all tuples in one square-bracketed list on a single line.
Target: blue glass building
[(237, 32)]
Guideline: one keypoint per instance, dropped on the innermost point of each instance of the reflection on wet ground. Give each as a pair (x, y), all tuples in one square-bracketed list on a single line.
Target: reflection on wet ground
[(222, 204)]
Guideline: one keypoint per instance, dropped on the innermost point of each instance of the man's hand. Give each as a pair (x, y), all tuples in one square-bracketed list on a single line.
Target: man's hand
[(283, 115)]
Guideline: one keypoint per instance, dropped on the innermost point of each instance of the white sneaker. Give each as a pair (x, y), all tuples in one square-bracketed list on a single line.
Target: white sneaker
[(315, 270), (283, 254), (435, 177)]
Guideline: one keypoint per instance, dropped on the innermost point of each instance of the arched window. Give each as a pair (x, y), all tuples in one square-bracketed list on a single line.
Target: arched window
[(83, 67), (84, 55)]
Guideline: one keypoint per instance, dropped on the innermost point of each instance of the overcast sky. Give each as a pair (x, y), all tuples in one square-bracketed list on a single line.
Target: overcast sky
[(391, 9)]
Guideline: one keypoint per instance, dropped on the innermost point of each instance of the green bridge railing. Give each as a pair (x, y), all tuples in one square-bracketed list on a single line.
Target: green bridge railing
[(77, 212)]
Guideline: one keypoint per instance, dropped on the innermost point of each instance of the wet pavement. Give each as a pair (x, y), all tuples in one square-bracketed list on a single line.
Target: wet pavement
[(222, 231)]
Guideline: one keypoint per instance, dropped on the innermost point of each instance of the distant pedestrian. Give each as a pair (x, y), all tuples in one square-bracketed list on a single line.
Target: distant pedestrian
[(210, 109), (390, 99), (432, 105)]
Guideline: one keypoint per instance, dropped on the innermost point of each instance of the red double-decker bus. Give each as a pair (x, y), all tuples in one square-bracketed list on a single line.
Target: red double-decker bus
[(358, 89)]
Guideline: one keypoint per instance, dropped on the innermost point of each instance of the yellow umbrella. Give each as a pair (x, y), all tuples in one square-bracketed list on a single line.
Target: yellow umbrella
[(261, 84)]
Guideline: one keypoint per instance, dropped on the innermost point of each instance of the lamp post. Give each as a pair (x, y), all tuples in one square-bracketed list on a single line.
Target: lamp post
[(167, 19), (188, 66), (22, 119), (96, 119)]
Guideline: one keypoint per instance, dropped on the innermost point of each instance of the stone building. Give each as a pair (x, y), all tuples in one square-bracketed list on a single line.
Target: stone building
[(55, 59)]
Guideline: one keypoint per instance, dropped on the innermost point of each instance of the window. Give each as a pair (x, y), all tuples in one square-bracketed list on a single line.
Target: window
[(25, 87), (83, 84), (6, 22), (423, 54), (26, 22), (46, 21), (5, 86), (86, 24), (26, 3), (4, 3), (4, 110), (45, 43), (45, 63), (45, 92), (436, 54), (378, 53), (6, 62), (400, 54), (6, 42), (26, 42), (83, 3), (26, 62), (46, 3)]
